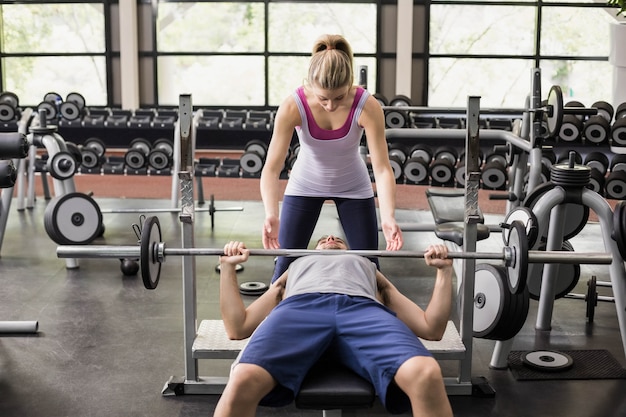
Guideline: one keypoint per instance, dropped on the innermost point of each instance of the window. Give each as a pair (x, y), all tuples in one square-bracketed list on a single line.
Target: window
[(54, 48)]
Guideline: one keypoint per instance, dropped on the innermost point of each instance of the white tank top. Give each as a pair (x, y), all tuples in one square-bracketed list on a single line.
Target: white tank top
[(329, 163)]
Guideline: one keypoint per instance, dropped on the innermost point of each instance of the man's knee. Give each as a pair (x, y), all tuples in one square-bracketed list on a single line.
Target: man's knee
[(419, 372), (250, 381)]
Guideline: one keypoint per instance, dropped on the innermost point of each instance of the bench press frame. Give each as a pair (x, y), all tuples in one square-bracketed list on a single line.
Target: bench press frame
[(209, 341)]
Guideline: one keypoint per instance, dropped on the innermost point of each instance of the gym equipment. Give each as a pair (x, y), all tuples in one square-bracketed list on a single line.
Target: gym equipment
[(547, 360), (152, 252), (136, 157), (211, 210), (499, 314), (73, 218), (253, 157), (160, 157), (253, 288), (591, 297), (552, 108), (92, 152), (9, 106)]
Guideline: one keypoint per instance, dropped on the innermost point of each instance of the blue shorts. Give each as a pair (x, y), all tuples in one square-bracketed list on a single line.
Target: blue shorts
[(362, 334)]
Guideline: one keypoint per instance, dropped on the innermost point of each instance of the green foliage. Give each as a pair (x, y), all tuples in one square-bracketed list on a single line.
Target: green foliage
[(621, 4)]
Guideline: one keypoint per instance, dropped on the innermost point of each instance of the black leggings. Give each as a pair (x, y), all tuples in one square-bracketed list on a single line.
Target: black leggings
[(299, 217)]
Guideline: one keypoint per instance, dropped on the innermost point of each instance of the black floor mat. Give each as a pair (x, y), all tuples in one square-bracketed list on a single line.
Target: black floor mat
[(588, 364)]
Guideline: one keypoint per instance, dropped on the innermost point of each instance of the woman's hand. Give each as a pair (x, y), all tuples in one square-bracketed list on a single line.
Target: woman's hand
[(270, 233), (393, 236)]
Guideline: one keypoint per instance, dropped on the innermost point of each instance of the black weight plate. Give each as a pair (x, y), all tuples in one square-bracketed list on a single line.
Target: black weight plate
[(591, 298), (253, 288), (547, 361), (566, 281), (149, 262), (10, 98), (576, 215), (62, 165)]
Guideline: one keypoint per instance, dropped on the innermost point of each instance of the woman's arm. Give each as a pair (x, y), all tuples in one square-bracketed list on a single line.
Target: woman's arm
[(286, 119), (373, 121)]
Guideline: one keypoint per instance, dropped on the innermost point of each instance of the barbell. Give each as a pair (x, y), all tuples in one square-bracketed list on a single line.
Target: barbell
[(152, 252)]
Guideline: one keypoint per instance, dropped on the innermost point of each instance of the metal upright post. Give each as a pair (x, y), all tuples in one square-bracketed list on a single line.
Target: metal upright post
[(186, 217), (470, 233)]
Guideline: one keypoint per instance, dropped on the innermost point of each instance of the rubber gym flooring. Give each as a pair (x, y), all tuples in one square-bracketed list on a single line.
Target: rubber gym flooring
[(106, 346)]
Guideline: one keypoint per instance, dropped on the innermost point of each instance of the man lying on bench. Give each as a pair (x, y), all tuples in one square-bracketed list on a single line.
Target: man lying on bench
[(341, 304)]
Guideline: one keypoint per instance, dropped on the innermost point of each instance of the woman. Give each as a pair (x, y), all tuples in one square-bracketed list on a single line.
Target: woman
[(330, 115)]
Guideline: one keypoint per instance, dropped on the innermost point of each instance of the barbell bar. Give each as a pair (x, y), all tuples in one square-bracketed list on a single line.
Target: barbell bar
[(152, 252)]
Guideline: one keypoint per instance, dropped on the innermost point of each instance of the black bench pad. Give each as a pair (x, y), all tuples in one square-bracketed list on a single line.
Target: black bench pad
[(453, 232), (331, 386)]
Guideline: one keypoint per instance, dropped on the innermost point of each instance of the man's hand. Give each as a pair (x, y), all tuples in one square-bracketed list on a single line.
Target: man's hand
[(234, 253), (437, 256)]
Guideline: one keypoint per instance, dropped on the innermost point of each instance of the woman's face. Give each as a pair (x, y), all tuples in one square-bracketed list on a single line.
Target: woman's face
[(330, 100)]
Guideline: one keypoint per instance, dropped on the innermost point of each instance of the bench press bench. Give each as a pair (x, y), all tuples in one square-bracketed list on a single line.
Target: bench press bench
[(327, 387), (447, 206)]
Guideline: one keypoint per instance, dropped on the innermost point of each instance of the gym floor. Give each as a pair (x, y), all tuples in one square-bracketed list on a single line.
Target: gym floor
[(106, 346)]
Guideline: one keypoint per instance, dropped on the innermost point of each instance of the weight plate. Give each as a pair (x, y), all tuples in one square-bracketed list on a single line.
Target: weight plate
[(89, 158), (547, 361), (591, 298), (576, 215), (49, 108), (251, 162), (96, 144), (490, 298), (149, 261), (62, 165), (416, 169), (135, 159), (493, 175), (10, 98), (566, 280), (158, 159), (53, 98), (253, 288), (555, 110), (518, 269), (76, 98), (70, 111), (7, 113), (257, 146), (73, 219), (395, 119), (527, 217), (238, 268)]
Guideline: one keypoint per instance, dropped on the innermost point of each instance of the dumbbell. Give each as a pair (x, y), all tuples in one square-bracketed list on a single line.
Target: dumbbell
[(9, 107), (160, 157), (253, 157), (136, 156), (397, 159), (416, 166), (73, 107), (92, 153), (442, 168), (493, 174)]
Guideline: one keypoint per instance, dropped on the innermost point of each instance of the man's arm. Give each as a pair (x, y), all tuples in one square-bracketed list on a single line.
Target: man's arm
[(430, 324), (240, 321)]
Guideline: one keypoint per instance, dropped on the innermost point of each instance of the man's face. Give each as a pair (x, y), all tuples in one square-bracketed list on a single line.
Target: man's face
[(331, 242)]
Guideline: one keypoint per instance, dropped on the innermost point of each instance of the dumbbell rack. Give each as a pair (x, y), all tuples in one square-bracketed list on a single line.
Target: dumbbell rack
[(209, 340)]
